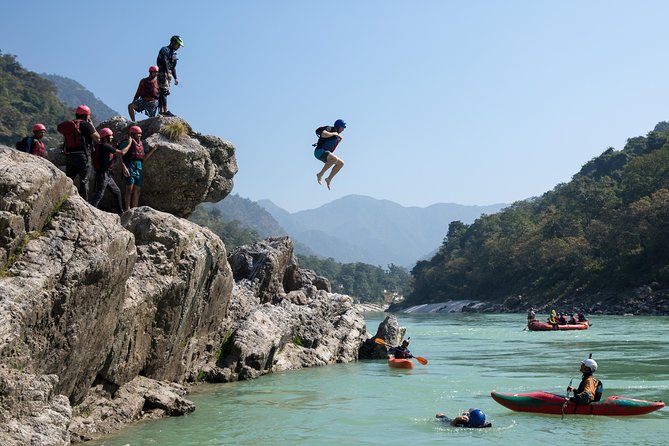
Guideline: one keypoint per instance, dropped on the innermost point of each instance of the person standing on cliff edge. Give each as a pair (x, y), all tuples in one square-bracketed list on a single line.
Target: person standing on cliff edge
[(167, 69), (328, 139)]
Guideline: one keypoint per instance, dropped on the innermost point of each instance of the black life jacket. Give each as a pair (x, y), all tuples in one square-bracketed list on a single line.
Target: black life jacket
[(329, 144)]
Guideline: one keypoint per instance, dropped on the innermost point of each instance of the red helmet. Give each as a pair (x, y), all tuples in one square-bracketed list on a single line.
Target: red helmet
[(82, 110), (153, 68), (135, 129), (105, 132), (38, 127)]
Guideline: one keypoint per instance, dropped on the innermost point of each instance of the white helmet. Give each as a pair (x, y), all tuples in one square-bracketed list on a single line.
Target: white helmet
[(590, 363)]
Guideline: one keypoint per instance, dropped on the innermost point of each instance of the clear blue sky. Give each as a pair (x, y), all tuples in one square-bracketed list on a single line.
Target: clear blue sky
[(471, 102)]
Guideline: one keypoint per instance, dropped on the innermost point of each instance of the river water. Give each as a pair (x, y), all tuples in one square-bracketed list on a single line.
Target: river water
[(367, 403)]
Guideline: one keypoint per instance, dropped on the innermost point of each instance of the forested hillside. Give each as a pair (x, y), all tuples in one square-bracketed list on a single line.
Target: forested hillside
[(607, 229), (26, 99), (366, 282)]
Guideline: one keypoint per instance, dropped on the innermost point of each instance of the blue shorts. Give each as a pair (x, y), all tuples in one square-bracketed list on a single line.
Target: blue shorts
[(322, 154), (135, 168)]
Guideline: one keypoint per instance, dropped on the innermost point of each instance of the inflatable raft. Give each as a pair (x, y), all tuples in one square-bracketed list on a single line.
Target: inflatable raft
[(536, 325), (400, 363), (550, 403)]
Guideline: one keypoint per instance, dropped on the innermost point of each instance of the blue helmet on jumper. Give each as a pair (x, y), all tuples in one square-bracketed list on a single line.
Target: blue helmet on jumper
[(476, 417), (339, 123)]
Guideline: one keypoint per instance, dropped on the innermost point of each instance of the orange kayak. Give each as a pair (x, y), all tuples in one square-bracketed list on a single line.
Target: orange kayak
[(400, 363)]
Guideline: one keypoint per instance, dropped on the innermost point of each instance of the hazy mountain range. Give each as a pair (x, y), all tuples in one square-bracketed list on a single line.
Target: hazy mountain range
[(358, 228)]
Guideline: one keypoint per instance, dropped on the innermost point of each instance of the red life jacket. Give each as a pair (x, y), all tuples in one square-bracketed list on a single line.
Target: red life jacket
[(38, 148), (136, 151), (72, 135), (149, 90)]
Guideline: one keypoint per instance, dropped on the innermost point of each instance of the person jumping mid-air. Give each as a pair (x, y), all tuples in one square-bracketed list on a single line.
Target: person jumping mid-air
[(328, 139)]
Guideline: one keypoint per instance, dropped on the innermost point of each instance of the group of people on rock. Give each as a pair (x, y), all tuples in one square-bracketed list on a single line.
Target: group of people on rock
[(589, 390), (86, 148), (561, 318)]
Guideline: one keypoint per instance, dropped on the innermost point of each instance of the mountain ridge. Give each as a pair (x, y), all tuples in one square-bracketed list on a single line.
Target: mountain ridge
[(359, 228)]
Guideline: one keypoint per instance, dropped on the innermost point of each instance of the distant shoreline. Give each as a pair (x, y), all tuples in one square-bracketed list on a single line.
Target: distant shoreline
[(642, 301)]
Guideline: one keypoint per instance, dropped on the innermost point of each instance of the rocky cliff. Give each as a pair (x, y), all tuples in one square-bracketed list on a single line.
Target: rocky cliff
[(103, 319)]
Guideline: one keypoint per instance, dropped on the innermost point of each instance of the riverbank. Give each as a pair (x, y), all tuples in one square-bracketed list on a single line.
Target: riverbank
[(647, 300)]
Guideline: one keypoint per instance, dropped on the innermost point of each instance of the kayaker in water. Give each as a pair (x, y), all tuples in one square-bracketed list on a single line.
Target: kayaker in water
[(401, 352), (590, 388), (473, 418)]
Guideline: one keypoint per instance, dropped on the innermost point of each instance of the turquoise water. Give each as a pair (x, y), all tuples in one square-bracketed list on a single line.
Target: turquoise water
[(367, 403)]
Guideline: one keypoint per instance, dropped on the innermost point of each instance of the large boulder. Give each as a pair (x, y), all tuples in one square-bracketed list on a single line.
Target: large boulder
[(265, 263), (390, 332), (177, 296), (108, 408)]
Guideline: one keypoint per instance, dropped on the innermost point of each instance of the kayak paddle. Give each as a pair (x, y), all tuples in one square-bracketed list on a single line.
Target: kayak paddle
[(418, 358), (566, 400)]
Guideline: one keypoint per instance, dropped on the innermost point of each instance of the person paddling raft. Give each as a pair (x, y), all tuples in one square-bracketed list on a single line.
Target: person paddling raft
[(474, 418)]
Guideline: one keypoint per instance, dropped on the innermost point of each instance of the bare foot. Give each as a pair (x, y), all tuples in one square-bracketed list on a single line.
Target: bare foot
[(327, 182), (318, 178)]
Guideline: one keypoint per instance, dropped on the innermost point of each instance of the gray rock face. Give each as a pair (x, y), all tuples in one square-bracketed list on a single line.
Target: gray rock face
[(69, 282), (176, 297), (31, 412)]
